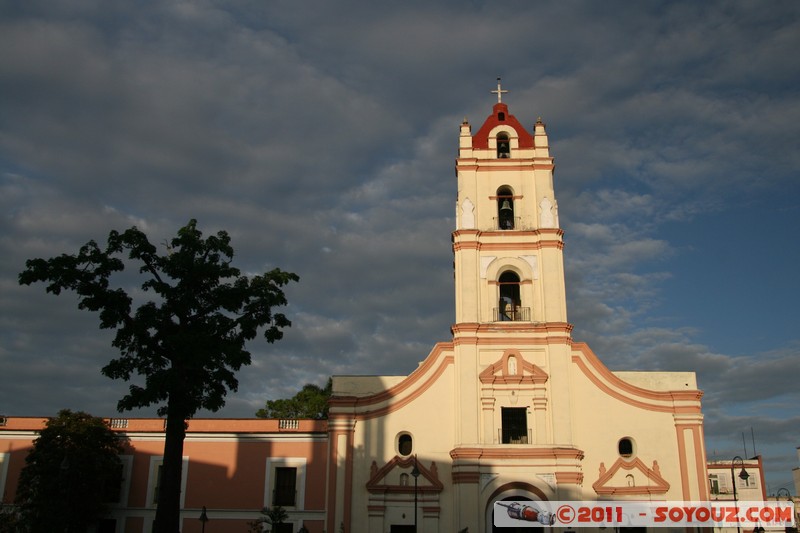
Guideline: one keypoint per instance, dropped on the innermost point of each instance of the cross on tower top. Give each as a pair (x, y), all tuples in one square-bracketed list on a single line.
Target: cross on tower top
[(499, 92)]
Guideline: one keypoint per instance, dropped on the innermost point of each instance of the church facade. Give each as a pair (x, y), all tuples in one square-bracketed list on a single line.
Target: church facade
[(511, 408)]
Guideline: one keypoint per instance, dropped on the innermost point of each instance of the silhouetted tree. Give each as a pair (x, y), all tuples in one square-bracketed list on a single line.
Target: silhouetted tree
[(9, 519), (70, 475), (187, 342)]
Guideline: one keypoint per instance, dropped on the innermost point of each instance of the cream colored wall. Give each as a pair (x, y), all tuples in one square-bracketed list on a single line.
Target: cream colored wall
[(660, 381), (594, 422), (601, 421), (430, 417)]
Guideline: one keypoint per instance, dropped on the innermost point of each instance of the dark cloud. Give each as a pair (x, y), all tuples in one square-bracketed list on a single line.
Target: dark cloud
[(323, 139)]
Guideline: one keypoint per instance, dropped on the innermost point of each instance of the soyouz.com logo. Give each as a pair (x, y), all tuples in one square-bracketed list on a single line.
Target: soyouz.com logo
[(643, 514)]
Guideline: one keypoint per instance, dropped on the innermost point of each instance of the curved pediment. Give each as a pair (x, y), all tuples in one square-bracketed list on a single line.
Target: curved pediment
[(389, 478), (512, 369), (630, 478)]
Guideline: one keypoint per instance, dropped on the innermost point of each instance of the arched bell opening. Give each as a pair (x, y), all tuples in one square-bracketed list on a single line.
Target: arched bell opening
[(505, 209), (503, 146), (510, 302)]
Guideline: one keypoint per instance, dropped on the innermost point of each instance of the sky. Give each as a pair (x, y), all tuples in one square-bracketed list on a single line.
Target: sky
[(322, 137)]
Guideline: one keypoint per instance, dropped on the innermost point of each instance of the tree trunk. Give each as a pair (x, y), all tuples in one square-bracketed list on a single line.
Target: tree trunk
[(168, 512)]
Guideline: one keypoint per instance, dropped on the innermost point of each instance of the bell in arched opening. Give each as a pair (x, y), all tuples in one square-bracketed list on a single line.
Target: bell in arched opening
[(505, 208), (503, 146)]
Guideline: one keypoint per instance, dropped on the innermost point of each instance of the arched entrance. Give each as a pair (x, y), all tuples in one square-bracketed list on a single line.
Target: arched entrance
[(511, 492)]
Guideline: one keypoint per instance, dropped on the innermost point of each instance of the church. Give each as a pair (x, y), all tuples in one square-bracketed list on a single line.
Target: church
[(510, 408)]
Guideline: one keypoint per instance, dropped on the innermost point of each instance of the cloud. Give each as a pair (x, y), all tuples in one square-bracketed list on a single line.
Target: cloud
[(325, 143)]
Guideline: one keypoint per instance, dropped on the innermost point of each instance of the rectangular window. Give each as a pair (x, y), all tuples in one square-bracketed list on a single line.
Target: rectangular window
[(713, 482), (515, 425), (112, 486), (285, 482), (4, 460), (154, 480), (724, 483), (749, 483), (159, 469), (285, 487)]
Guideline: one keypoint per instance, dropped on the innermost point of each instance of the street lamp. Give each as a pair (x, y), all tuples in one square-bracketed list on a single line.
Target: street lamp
[(415, 473), (783, 491), (204, 518), (742, 475)]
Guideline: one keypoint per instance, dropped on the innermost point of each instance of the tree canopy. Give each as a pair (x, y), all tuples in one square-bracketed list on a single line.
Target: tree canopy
[(187, 341), (310, 402), (71, 474)]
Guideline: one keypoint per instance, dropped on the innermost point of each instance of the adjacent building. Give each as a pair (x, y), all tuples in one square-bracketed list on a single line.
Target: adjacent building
[(739, 478), (232, 467)]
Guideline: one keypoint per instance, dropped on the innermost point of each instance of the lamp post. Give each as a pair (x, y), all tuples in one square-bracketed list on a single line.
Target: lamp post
[(415, 473), (204, 518), (783, 491), (742, 475)]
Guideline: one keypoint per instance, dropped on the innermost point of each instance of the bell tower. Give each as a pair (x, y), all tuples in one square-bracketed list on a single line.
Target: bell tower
[(509, 284), (507, 243)]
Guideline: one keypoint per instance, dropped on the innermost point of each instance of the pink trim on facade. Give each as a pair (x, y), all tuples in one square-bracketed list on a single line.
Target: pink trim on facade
[(659, 486), (700, 460), (377, 475), (518, 485), (499, 247), (194, 425), (466, 477), (569, 478), (592, 368), (464, 329), (468, 453), (520, 164), (684, 467), (498, 372), (357, 403)]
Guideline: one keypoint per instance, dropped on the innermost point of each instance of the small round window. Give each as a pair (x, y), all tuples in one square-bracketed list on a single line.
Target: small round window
[(625, 447), (405, 444)]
